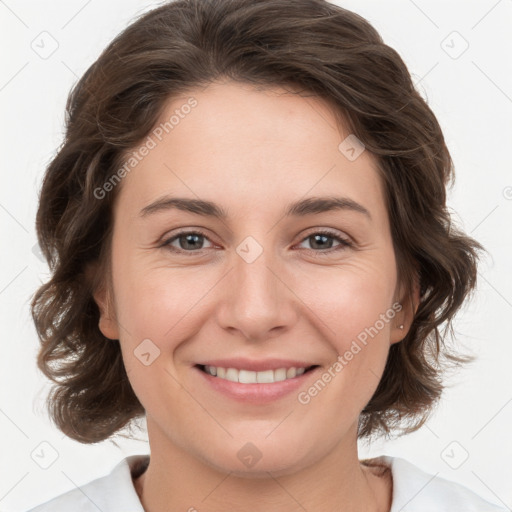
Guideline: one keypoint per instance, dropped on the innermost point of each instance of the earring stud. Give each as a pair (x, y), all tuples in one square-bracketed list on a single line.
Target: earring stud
[(401, 326)]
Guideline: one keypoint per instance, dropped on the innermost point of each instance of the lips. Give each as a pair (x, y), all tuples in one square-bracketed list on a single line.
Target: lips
[(255, 393)]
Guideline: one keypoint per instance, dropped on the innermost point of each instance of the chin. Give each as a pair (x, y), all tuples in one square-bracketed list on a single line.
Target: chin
[(251, 463)]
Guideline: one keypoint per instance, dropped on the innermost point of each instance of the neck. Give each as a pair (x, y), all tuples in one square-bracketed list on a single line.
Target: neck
[(178, 481)]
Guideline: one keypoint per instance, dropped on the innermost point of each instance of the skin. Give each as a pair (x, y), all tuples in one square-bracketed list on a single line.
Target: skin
[(253, 151)]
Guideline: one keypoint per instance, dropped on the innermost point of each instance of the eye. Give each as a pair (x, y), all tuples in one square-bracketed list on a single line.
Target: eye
[(322, 241), (193, 242), (188, 241)]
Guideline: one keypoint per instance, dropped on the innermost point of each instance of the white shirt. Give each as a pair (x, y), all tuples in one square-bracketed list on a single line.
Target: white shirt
[(413, 491)]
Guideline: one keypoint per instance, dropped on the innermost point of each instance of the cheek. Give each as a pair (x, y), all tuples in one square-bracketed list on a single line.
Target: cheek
[(351, 297), (356, 311), (167, 306), (154, 314)]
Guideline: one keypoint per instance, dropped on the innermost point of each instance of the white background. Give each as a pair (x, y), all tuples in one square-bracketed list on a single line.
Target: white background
[(470, 94)]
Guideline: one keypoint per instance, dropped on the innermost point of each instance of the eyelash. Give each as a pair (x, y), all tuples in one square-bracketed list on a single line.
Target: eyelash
[(344, 243)]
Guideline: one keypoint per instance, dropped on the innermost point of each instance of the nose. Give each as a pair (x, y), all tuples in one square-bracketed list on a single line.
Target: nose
[(256, 301)]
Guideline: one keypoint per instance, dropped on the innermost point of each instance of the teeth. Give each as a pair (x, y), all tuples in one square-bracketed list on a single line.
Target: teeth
[(247, 377), (280, 374), (250, 377), (232, 375)]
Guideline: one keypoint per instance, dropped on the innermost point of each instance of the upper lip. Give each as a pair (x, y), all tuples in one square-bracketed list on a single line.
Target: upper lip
[(255, 365)]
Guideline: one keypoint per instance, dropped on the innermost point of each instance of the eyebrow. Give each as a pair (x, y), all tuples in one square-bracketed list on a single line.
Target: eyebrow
[(308, 206)]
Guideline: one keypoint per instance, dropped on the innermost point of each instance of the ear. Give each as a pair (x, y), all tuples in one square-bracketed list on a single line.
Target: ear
[(103, 297), (409, 300)]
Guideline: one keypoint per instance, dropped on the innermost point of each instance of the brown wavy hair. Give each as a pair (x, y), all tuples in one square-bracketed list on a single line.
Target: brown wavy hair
[(323, 50)]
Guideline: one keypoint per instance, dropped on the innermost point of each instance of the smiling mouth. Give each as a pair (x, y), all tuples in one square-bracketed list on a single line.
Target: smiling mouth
[(252, 377)]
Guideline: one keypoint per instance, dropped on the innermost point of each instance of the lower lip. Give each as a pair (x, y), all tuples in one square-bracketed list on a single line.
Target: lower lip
[(256, 393)]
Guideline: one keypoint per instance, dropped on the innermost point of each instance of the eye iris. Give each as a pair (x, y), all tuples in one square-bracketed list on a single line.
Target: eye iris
[(187, 238), (323, 237)]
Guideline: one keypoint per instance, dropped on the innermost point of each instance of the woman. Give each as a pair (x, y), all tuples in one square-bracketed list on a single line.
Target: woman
[(250, 246)]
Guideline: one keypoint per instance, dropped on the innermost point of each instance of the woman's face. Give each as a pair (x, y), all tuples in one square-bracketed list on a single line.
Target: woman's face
[(259, 289)]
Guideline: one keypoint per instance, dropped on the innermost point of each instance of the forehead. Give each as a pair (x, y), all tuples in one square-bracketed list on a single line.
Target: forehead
[(250, 146)]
